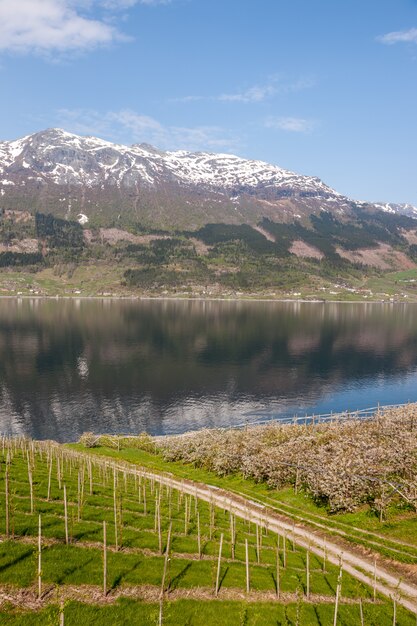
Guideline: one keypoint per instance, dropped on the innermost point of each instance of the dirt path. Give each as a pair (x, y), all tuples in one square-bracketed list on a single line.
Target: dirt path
[(361, 567), (91, 594)]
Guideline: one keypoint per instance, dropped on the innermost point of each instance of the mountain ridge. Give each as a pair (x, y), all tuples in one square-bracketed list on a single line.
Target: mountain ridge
[(71, 175)]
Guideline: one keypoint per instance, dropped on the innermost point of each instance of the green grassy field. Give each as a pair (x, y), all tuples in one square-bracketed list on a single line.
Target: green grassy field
[(139, 513), (394, 538)]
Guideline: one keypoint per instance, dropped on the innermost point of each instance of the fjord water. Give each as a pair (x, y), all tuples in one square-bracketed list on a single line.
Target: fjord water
[(69, 366)]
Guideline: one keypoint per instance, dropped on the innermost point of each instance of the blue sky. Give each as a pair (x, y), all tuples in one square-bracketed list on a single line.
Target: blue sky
[(326, 88)]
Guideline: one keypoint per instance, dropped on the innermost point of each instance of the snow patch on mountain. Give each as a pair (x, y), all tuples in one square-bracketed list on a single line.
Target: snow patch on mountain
[(92, 170), (64, 158), (398, 209)]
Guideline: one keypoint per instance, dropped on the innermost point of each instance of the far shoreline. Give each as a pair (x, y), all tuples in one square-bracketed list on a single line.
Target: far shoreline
[(201, 299)]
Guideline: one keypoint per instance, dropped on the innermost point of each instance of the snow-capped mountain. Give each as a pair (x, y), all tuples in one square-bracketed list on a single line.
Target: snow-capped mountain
[(69, 175), (399, 209)]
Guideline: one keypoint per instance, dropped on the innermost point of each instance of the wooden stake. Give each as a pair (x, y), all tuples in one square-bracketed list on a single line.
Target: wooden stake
[(159, 528), (66, 514), (361, 611), (58, 471), (30, 485), (198, 535), (155, 515), (90, 475), (247, 566), (374, 589), (40, 558), (116, 539), (258, 555), (394, 609), (104, 559), (284, 550), (338, 590), (7, 487), (336, 606), (166, 561), (48, 497), (278, 570), (308, 573), (82, 489), (218, 565), (78, 496), (232, 534)]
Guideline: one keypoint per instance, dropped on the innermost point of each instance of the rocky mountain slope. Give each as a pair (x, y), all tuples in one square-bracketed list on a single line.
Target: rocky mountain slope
[(72, 176)]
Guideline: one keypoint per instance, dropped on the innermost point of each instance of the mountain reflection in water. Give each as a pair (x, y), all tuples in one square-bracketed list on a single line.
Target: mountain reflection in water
[(71, 366)]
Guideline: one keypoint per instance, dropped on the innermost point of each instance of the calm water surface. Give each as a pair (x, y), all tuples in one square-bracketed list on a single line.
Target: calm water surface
[(166, 367)]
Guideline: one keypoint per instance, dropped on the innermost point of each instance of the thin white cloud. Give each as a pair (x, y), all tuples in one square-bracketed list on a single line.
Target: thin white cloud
[(400, 36), (128, 126), (291, 124), (254, 94), (49, 26), (127, 4), (257, 93)]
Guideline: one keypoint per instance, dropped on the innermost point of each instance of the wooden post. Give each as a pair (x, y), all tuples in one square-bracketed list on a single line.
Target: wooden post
[(394, 611), (7, 488), (30, 485), (258, 555), (90, 475), (58, 471), (155, 515), (116, 539), (278, 573), (166, 561), (40, 558), (159, 528), (308, 573), (374, 586), (198, 535), (218, 565), (78, 496), (284, 550), (82, 488), (338, 590), (48, 497), (247, 566), (104, 559), (170, 503), (186, 516), (336, 605), (144, 498), (66, 514), (361, 611), (232, 533)]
